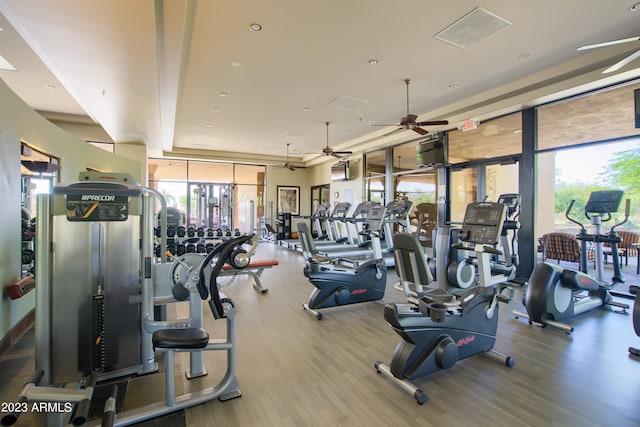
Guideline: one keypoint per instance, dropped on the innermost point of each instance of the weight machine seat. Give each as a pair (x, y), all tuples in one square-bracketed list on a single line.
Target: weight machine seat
[(180, 338)]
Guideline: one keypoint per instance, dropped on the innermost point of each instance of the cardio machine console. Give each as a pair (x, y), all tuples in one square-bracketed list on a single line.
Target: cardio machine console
[(603, 202), (483, 223)]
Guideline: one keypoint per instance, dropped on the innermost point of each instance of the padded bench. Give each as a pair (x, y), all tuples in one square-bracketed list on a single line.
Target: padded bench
[(253, 269)]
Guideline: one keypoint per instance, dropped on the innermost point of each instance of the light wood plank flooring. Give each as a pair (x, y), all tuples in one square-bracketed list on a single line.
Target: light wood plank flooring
[(296, 371)]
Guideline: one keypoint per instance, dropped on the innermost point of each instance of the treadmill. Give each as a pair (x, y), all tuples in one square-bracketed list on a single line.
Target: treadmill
[(394, 213), (360, 213), (338, 214), (316, 218)]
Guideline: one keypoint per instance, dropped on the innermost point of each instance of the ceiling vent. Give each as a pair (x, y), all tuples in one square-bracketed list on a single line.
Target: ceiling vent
[(471, 29), (346, 102)]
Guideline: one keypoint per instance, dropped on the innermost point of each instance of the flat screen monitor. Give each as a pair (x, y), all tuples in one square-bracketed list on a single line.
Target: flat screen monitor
[(340, 171), (430, 153)]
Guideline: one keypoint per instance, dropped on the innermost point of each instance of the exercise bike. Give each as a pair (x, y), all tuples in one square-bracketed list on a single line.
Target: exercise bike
[(443, 327), (554, 293), (454, 268), (338, 284)]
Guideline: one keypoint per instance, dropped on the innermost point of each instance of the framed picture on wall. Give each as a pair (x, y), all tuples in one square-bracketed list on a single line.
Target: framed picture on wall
[(289, 200)]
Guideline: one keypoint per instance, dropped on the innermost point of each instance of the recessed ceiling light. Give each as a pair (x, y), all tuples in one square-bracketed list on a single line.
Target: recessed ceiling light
[(306, 108), (373, 62), (255, 27), (208, 125), (235, 63), (52, 87), (453, 86), (223, 94), (215, 110), (635, 7)]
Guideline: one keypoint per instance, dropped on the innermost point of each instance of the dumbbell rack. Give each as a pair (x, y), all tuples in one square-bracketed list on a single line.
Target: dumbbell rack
[(182, 240)]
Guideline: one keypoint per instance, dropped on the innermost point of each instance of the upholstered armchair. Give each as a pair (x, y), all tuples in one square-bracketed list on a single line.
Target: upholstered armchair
[(626, 247), (562, 247)]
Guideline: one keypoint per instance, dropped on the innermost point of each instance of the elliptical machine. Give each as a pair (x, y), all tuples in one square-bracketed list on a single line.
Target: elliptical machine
[(554, 294), (339, 284), (444, 328)]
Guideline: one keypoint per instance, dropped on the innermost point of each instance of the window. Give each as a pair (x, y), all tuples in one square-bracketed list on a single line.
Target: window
[(212, 194)]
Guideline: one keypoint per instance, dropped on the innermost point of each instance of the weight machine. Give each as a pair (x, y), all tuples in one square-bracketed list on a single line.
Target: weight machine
[(99, 283)]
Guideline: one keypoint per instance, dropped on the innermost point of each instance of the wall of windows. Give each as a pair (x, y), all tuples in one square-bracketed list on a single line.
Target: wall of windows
[(212, 194), (584, 144)]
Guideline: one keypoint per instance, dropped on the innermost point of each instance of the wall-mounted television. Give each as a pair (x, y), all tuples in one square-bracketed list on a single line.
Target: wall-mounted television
[(340, 171), (431, 153)]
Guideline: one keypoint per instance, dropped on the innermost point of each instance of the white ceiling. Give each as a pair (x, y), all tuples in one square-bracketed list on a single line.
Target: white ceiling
[(152, 71)]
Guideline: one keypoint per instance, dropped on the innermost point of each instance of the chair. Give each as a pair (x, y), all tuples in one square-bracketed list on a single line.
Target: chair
[(562, 247), (626, 247)]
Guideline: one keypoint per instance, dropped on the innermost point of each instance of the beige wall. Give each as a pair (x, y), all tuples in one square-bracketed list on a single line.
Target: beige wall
[(20, 123)]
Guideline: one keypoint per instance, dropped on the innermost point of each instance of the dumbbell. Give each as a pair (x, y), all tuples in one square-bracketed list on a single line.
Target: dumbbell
[(171, 249), (181, 249)]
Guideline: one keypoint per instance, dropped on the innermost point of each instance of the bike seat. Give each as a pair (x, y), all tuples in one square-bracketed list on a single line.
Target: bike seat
[(439, 296)]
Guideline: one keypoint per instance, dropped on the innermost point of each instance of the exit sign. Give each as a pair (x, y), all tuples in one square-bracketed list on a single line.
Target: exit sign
[(469, 125)]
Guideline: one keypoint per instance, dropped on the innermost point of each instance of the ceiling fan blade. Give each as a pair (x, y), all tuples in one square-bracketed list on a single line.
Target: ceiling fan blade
[(609, 43), (433, 123), (622, 63), (335, 154), (343, 152), (419, 130), (387, 125), (393, 132)]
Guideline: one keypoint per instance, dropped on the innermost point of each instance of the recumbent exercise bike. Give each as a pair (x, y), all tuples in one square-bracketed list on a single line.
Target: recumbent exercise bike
[(338, 284), (443, 327), (554, 293)]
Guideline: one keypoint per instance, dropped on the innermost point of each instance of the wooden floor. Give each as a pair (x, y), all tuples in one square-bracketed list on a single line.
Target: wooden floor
[(294, 370)]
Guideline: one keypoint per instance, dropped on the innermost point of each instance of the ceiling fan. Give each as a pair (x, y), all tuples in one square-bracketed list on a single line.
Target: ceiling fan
[(328, 151), (289, 165), (409, 121), (621, 63)]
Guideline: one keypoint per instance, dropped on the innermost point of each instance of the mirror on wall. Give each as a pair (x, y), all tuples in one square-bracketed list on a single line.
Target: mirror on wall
[(38, 175)]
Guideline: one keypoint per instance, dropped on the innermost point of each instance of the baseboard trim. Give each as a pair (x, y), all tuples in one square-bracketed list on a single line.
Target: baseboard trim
[(17, 332)]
